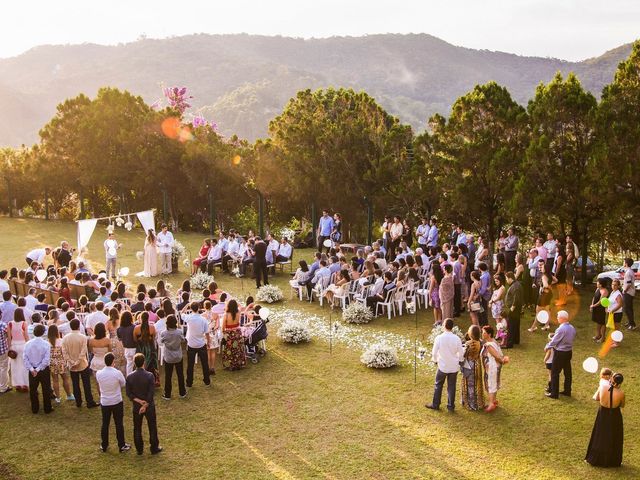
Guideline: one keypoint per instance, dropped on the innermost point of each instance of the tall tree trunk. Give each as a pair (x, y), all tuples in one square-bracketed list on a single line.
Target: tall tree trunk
[(585, 255)]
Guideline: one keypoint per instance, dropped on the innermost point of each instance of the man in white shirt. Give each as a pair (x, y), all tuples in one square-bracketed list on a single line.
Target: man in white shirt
[(31, 300), (95, 318), (396, 230), (197, 339), (233, 247), (272, 249), (111, 380), (629, 292), (165, 247), (422, 234), (37, 255), (214, 256), (285, 250), (111, 247), (447, 353)]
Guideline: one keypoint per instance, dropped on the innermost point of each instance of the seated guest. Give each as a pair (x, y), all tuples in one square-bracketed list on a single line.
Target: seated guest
[(202, 257), (302, 275), (64, 254), (41, 305), (379, 294), (139, 305), (320, 273), (214, 256), (184, 302), (285, 250), (249, 256), (231, 254), (4, 285), (272, 249)]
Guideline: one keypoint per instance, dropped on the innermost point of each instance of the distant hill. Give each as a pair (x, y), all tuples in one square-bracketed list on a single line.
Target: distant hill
[(243, 81)]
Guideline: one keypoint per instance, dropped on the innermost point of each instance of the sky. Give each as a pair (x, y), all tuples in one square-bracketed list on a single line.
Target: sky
[(566, 29)]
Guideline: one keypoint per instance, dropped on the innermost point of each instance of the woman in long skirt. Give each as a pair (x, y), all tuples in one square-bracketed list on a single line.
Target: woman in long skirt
[(150, 255), (607, 436), (18, 336), (472, 379), (233, 353)]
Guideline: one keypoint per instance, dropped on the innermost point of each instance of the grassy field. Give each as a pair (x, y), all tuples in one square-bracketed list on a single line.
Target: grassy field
[(305, 412)]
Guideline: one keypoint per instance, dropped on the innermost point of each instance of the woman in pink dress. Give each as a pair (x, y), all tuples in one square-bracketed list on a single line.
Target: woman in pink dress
[(150, 255)]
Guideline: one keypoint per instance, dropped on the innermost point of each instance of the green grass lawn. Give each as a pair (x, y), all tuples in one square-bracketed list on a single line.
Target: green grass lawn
[(305, 412)]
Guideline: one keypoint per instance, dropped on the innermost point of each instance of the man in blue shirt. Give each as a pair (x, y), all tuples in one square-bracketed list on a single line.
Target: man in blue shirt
[(562, 345), (325, 227), (432, 238), (37, 355), (484, 292)]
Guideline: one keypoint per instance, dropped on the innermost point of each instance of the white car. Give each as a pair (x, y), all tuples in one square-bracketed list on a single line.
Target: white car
[(619, 274)]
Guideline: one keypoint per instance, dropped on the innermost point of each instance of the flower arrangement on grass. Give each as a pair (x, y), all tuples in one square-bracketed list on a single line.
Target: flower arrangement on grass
[(201, 280), (269, 294), (139, 254), (186, 263), (438, 329), (358, 313), (380, 355), (294, 331)]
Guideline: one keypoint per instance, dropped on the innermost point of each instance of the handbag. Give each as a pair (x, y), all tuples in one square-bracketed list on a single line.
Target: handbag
[(476, 307), (12, 354)]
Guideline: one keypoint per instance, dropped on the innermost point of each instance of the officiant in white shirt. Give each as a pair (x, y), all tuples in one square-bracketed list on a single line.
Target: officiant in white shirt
[(111, 247), (165, 247)]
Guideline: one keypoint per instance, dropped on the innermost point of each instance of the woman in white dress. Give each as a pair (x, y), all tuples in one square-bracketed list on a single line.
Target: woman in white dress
[(150, 255), (493, 360), (215, 335), (18, 335)]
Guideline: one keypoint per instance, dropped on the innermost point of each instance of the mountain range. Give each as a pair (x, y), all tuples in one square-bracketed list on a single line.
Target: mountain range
[(242, 81)]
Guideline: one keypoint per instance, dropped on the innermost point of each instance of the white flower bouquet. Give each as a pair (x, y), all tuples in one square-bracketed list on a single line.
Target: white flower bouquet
[(269, 294), (178, 250), (288, 233), (380, 355), (357, 313), (438, 329), (201, 280), (186, 263), (294, 331), (139, 254)]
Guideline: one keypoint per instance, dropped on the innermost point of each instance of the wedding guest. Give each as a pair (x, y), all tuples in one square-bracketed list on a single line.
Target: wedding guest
[(197, 339), (325, 227), (172, 339), (99, 345), (606, 443), (447, 292), (615, 305), (492, 359), (629, 292), (511, 249), (37, 355), (4, 358), (472, 378), (18, 336), (474, 304), (513, 304), (165, 242), (260, 262), (140, 386), (74, 349), (58, 365), (233, 351), (64, 254), (562, 345), (125, 335), (447, 353), (37, 256), (110, 382)]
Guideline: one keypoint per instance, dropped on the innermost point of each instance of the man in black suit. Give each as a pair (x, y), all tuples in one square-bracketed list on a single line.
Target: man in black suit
[(260, 262), (64, 255), (140, 388)]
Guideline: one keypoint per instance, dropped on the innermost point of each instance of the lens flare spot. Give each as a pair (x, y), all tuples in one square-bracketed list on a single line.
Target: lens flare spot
[(184, 134), (171, 127), (237, 159)]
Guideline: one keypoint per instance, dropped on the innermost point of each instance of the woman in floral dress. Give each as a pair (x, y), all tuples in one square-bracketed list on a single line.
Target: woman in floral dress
[(233, 353), (58, 365)]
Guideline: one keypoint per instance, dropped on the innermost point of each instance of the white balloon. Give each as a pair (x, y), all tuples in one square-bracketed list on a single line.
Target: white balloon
[(543, 317), (124, 271), (264, 313), (590, 365), (41, 275), (327, 243), (112, 251), (617, 336)]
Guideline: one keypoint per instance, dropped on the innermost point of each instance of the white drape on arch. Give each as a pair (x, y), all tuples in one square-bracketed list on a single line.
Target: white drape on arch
[(147, 220), (85, 230)]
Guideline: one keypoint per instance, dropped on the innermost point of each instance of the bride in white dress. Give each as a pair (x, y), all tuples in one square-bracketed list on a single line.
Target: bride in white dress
[(150, 255)]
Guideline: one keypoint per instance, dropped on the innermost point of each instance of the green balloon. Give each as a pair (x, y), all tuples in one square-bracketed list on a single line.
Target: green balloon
[(605, 302)]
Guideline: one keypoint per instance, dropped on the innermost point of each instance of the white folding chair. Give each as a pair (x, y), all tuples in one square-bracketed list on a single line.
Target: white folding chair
[(319, 289), (400, 297), (388, 304)]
